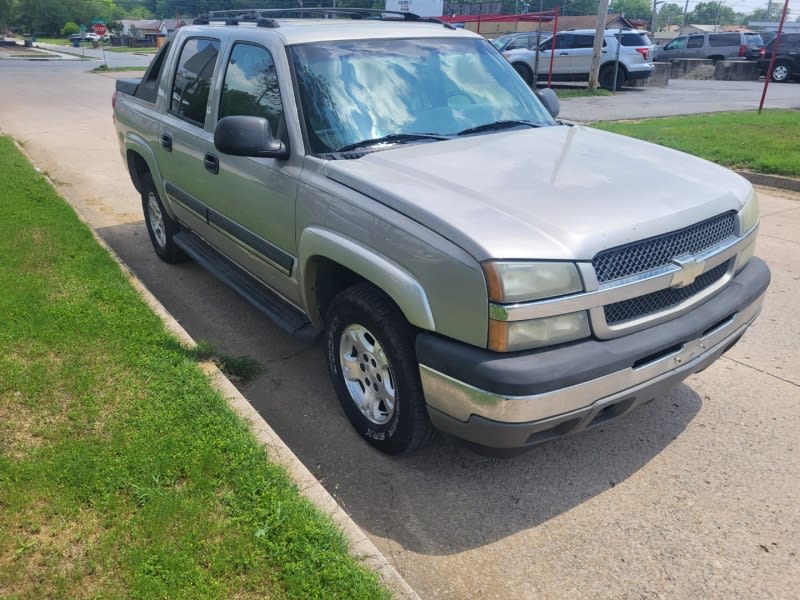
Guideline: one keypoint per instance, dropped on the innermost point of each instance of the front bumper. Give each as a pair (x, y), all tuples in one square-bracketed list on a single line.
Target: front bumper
[(525, 398)]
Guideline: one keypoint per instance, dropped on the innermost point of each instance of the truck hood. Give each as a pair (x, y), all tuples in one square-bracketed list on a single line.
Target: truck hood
[(563, 193)]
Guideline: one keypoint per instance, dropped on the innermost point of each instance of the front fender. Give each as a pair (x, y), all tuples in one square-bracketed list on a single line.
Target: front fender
[(390, 277)]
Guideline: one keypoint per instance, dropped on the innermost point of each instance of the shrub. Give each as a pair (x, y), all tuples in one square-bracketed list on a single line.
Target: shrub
[(70, 28)]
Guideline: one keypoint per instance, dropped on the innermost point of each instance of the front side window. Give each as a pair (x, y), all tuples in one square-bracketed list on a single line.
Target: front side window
[(583, 41), (676, 44), (357, 90), (251, 86), (193, 79)]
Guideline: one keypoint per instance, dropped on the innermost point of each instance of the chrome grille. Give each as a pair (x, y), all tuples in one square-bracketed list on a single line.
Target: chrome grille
[(659, 251), (662, 299)]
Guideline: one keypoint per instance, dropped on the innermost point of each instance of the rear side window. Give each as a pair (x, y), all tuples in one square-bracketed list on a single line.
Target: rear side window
[(251, 86), (148, 88), (193, 79), (696, 41), (635, 39), (723, 39)]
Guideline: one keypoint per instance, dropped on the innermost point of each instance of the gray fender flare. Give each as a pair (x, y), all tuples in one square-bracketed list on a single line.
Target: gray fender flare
[(385, 274), (137, 144)]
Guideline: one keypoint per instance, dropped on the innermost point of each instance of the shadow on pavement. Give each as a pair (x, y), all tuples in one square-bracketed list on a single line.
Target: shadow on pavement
[(441, 500)]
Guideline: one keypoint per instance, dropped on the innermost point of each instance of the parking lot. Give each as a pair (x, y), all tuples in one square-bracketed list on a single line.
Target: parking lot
[(691, 496)]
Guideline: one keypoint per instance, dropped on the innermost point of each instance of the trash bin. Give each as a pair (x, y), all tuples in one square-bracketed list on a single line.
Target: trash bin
[(76, 42)]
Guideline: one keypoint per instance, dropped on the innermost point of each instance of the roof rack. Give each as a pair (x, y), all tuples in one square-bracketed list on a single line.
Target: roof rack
[(265, 17)]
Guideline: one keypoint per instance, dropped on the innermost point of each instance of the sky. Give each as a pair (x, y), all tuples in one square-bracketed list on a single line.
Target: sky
[(748, 6)]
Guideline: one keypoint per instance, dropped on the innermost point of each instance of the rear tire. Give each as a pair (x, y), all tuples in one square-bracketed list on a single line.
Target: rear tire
[(161, 227), (607, 78), (780, 73), (374, 370), (525, 72)]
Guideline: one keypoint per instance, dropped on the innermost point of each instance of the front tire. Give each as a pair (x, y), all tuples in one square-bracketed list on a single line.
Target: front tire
[(161, 227), (373, 367), (780, 73), (525, 72)]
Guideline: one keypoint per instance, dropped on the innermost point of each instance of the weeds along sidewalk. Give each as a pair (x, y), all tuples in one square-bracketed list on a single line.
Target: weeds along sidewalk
[(123, 473)]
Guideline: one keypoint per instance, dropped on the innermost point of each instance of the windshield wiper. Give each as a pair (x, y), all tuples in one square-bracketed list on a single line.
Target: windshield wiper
[(497, 125), (394, 138)]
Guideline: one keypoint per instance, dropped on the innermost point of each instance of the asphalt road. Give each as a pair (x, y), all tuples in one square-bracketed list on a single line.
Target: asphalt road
[(691, 496)]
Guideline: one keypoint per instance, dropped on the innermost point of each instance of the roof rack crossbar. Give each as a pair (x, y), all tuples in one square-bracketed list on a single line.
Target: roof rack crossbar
[(265, 16)]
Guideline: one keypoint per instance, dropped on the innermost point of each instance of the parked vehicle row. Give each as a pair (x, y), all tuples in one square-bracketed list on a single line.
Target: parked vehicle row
[(787, 58), (571, 57)]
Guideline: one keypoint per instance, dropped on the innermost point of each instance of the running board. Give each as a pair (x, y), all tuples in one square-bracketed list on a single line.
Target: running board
[(283, 314)]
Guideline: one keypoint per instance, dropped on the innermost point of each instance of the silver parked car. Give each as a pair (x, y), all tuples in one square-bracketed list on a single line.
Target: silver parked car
[(572, 57)]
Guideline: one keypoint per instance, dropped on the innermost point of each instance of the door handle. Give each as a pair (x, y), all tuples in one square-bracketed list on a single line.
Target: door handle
[(211, 163), (563, 53), (166, 142)]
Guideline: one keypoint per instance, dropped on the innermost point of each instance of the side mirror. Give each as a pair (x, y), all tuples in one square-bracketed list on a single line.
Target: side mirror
[(550, 100), (248, 136)]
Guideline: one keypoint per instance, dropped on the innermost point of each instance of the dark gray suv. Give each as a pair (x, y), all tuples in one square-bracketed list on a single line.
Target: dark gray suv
[(716, 46)]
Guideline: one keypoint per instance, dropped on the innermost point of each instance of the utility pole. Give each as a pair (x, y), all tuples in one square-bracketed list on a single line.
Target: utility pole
[(602, 19)]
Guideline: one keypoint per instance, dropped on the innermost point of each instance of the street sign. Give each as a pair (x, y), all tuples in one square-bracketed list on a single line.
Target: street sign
[(100, 28)]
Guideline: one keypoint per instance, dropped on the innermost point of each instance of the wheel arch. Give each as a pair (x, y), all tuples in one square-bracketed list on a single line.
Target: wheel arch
[(521, 64), (330, 263)]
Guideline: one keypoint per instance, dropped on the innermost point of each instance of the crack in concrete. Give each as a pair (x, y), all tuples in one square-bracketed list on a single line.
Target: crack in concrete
[(738, 362)]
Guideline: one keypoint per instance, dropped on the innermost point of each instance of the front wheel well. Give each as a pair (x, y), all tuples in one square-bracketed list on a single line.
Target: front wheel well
[(326, 280)]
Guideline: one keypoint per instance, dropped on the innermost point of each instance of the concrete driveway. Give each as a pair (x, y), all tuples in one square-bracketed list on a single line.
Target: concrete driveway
[(691, 496)]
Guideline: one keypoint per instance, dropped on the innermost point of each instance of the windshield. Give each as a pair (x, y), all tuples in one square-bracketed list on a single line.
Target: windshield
[(352, 91)]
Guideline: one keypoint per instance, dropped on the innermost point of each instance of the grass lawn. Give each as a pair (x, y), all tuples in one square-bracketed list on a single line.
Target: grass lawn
[(105, 69), (147, 50), (123, 474), (567, 93), (764, 143)]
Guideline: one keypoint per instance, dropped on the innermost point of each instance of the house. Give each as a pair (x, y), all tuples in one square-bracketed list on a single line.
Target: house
[(141, 32), (498, 24)]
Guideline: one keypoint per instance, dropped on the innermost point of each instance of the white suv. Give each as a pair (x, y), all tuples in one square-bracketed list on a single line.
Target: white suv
[(572, 57)]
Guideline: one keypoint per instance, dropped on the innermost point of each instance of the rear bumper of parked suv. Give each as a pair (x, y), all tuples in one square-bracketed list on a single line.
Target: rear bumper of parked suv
[(639, 73), (525, 398)]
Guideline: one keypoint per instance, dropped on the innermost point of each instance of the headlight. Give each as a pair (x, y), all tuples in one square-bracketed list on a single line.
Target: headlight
[(748, 216), (508, 336), (511, 282)]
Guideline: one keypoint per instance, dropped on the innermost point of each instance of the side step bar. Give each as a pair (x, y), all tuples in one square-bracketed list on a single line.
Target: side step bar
[(285, 316)]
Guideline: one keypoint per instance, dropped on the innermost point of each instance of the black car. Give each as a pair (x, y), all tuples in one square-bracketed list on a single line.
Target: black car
[(787, 58)]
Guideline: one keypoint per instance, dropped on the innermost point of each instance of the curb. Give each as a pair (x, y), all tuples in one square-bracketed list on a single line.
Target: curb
[(360, 546), (791, 184)]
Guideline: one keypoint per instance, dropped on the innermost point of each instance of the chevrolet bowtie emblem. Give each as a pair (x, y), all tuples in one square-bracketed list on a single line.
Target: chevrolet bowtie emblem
[(691, 269)]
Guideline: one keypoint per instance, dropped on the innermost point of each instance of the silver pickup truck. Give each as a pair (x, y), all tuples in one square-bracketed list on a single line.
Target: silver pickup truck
[(474, 265)]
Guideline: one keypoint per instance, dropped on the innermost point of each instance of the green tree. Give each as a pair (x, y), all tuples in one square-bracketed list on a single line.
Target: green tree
[(632, 9), (6, 8), (670, 14), (711, 13), (40, 16), (771, 12)]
